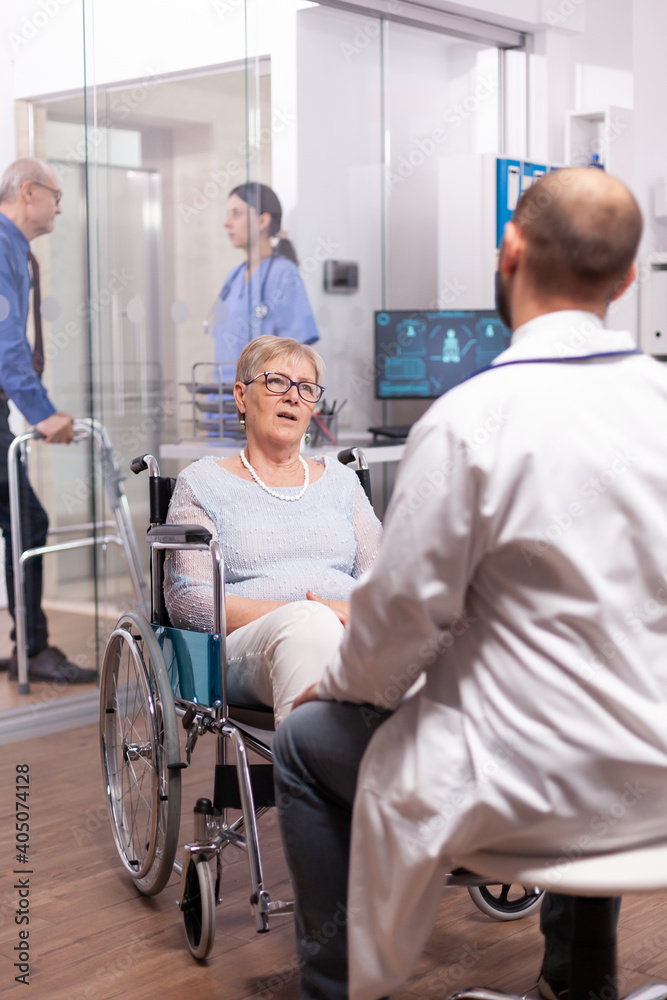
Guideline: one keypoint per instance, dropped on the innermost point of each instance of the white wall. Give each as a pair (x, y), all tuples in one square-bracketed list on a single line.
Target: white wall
[(7, 130), (340, 195), (442, 101), (650, 117), (581, 62), (525, 15)]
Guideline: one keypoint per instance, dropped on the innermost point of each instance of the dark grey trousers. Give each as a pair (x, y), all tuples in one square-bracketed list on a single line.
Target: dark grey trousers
[(317, 752), (34, 525)]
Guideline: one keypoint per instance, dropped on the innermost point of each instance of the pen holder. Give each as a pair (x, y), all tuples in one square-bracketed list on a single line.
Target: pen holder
[(323, 429)]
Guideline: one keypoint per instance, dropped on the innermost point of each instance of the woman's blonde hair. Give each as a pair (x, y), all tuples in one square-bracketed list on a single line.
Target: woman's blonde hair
[(264, 353)]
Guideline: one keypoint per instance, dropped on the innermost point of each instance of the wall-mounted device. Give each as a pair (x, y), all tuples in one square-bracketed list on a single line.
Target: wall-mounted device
[(341, 276)]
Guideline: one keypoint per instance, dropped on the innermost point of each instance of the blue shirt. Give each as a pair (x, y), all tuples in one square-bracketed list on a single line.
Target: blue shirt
[(18, 379), (275, 286)]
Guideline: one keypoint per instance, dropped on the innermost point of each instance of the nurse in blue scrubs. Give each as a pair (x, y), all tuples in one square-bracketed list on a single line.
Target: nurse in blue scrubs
[(265, 294)]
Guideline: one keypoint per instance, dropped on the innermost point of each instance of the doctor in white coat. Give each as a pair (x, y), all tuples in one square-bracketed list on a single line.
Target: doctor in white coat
[(523, 576)]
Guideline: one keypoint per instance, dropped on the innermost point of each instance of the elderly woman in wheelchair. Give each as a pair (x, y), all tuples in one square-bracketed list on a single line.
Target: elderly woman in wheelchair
[(259, 554), (295, 532)]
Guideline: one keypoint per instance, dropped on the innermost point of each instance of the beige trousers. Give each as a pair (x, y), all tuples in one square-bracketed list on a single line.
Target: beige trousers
[(280, 654)]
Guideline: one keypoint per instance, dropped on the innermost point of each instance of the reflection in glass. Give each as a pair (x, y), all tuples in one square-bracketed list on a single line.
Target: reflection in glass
[(265, 294), (50, 308), (443, 102), (340, 142), (179, 311), (136, 310)]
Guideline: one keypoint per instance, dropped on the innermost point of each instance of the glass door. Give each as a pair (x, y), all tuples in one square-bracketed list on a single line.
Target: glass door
[(345, 116)]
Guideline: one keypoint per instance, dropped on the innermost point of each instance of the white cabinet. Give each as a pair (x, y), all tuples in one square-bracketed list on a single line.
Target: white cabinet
[(653, 304), (606, 133)]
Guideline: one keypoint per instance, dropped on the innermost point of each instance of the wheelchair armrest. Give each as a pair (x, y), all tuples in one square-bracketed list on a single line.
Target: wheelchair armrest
[(188, 534)]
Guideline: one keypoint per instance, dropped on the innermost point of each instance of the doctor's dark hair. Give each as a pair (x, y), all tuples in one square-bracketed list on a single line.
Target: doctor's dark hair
[(264, 199), (582, 228)]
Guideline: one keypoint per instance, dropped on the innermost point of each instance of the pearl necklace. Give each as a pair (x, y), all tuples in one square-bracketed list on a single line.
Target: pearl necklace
[(267, 489)]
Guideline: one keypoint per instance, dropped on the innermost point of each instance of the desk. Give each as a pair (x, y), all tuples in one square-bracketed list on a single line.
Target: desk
[(190, 450), (194, 448)]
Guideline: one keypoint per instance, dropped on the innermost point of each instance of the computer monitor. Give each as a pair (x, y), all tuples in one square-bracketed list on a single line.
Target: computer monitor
[(420, 354)]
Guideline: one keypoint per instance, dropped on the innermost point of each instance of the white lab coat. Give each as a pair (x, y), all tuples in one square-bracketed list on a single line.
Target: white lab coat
[(523, 570)]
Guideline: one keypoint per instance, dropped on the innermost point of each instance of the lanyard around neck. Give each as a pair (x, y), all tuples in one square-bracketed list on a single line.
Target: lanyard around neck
[(555, 361)]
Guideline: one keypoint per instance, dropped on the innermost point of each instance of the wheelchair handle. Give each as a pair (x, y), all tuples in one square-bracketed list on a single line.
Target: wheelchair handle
[(349, 455), (143, 462)]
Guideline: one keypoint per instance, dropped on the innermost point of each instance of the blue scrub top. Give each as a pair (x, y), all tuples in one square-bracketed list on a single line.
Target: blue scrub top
[(276, 285)]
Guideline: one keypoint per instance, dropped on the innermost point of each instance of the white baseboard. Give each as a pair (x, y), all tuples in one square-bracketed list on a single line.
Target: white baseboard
[(44, 718)]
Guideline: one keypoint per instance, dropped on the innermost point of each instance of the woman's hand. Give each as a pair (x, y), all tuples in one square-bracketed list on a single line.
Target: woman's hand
[(340, 608)]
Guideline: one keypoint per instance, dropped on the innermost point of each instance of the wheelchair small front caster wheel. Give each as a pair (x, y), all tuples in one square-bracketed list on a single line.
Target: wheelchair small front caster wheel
[(505, 902), (199, 908)]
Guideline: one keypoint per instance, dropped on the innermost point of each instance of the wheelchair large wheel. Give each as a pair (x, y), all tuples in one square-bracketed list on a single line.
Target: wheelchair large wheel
[(140, 753), (505, 902), (199, 907)]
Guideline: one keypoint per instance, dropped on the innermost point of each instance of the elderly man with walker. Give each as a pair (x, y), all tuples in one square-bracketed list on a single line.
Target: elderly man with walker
[(29, 203)]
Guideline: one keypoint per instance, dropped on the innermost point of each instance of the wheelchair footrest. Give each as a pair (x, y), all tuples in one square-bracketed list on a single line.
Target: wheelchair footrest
[(227, 794)]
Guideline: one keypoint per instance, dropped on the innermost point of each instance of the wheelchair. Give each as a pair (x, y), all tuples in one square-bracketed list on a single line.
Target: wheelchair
[(153, 674)]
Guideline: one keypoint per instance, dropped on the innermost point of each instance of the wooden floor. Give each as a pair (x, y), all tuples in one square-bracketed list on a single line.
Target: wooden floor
[(93, 937), (72, 632)]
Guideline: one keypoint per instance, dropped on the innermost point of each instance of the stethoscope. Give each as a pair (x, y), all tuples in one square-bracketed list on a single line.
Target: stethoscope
[(262, 309)]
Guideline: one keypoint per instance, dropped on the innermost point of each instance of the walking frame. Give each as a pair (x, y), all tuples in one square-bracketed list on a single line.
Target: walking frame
[(125, 536)]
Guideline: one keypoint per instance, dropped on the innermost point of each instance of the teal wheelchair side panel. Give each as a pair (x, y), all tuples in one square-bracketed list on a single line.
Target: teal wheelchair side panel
[(192, 660)]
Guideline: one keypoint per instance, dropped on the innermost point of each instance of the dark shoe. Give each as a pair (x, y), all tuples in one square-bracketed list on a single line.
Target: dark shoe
[(552, 989), (4, 663), (51, 664)]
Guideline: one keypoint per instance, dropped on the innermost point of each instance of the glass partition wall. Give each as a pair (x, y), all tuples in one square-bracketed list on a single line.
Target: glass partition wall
[(344, 114), (64, 478)]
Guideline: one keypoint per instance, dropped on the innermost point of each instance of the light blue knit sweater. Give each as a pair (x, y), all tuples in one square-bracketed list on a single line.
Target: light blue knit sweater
[(272, 550)]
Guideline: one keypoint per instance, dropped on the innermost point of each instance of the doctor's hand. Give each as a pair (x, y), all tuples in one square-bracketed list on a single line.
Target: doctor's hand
[(340, 608), (307, 695)]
